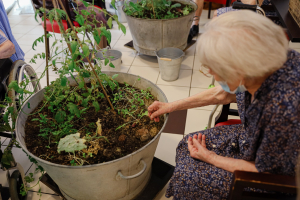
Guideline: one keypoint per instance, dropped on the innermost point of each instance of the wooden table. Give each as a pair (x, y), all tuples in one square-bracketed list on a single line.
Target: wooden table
[(288, 22)]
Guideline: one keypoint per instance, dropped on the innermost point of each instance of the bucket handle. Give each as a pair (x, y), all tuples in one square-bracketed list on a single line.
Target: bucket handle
[(166, 59), (121, 176)]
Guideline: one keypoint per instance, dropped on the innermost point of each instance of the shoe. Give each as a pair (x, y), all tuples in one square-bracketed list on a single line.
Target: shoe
[(194, 31)]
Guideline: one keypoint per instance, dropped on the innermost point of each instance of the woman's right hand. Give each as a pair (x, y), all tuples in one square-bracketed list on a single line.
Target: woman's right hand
[(159, 108)]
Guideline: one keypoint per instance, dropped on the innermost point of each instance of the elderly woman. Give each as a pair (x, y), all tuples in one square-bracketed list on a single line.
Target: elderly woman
[(248, 55)]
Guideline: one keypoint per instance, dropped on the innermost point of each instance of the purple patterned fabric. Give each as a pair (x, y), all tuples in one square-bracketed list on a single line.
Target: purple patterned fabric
[(269, 135)]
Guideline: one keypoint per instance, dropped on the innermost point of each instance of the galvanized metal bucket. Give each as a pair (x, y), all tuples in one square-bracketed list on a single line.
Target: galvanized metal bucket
[(121, 179), (149, 35), (114, 56), (169, 60), (120, 13)]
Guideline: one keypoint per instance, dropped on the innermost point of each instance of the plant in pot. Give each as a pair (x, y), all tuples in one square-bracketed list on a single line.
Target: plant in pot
[(89, 129), (156, 24)]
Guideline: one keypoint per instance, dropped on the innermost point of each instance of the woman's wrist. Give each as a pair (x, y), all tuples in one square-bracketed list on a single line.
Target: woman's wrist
[(212, 157)]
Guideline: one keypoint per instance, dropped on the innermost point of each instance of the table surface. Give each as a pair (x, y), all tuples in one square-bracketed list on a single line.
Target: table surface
[(282, 9)]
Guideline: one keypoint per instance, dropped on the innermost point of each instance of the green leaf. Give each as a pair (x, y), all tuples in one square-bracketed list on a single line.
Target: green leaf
[(73, 109), (96, 36), (111, 65), (28, 105), (109, 22), (71, 143), (60, 116), (63, 81), (86, 74), (7, 159), (81, 84), (106, 61), (96, 105), (115, 76), (5, 128), (113, 3), (84, 12), (123, 28), (84, 3), (80, 19), (176, 5), (73, 46), (72, 66), (14, 85), (85, 102), (86, 50)]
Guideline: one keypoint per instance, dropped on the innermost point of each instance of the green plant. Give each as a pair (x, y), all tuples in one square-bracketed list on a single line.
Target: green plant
[(157, 9)]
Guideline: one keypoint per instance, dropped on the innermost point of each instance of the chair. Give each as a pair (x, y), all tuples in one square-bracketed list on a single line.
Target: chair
[(224, 2)]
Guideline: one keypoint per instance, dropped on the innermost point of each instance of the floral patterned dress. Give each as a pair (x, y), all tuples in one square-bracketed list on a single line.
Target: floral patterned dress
[(269, 135)]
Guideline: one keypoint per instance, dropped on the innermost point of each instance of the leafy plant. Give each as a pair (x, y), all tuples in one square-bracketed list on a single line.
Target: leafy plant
[(157, 9)]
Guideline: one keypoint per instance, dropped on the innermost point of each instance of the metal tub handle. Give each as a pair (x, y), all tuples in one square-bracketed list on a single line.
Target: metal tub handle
[(121, 176)]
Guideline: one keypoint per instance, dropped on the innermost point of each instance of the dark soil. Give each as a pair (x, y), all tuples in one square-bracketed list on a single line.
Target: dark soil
[(122, 142)]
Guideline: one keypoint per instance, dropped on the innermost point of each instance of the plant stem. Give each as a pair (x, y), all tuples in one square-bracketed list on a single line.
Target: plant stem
[(153, 9), (46, 43), (63, 7)]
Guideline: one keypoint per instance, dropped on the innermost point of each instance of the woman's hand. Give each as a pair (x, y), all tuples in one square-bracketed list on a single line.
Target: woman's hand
[(159, 108), (198, 150)]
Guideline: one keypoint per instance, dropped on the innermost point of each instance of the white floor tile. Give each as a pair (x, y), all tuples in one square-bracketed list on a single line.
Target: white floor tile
[(128, 57), (39, 30), (167, 152), (31, 21), (197, 120), (199, 80), (27, 39), (127, 36), (187, 62), (174, 93), (23, 29), (120, 46), (21, 158), (149, 73), (191, 51), (183, 80), (17, 36), (145, 61), (35, 196), (25, 48), (298, 50), (115, 34), (113, 42), (294, 45)]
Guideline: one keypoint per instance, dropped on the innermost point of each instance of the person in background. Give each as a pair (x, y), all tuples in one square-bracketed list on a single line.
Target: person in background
[(248, 55), (194, 31), (9, 47)]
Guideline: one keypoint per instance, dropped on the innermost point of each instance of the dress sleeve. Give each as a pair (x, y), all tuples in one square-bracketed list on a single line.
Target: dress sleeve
[(278, 149), (3, 38)]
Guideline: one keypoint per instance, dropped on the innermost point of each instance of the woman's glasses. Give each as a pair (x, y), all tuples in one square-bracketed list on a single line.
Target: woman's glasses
[(205, 71)]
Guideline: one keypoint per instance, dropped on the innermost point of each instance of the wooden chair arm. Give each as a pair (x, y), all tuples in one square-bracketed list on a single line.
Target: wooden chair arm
[(264, 181)]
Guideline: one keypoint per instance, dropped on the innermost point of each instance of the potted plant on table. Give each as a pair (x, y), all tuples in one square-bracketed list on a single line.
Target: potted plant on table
[(156, 24), (89, 129)]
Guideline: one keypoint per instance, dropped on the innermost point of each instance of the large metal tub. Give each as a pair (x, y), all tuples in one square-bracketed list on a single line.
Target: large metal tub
[(150, 35), (100, 181)]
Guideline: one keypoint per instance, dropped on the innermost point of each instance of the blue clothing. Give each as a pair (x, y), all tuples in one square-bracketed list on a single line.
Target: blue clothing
[(269, 136), (5, 28)]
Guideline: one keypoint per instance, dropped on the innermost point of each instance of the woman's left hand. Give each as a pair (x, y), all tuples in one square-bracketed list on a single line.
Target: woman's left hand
[(197, 148)]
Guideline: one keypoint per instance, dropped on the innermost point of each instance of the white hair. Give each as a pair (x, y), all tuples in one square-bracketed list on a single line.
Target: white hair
[(242, 43)]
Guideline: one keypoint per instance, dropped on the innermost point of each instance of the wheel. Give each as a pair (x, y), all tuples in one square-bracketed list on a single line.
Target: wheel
[(20, 70), (15, 182)]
